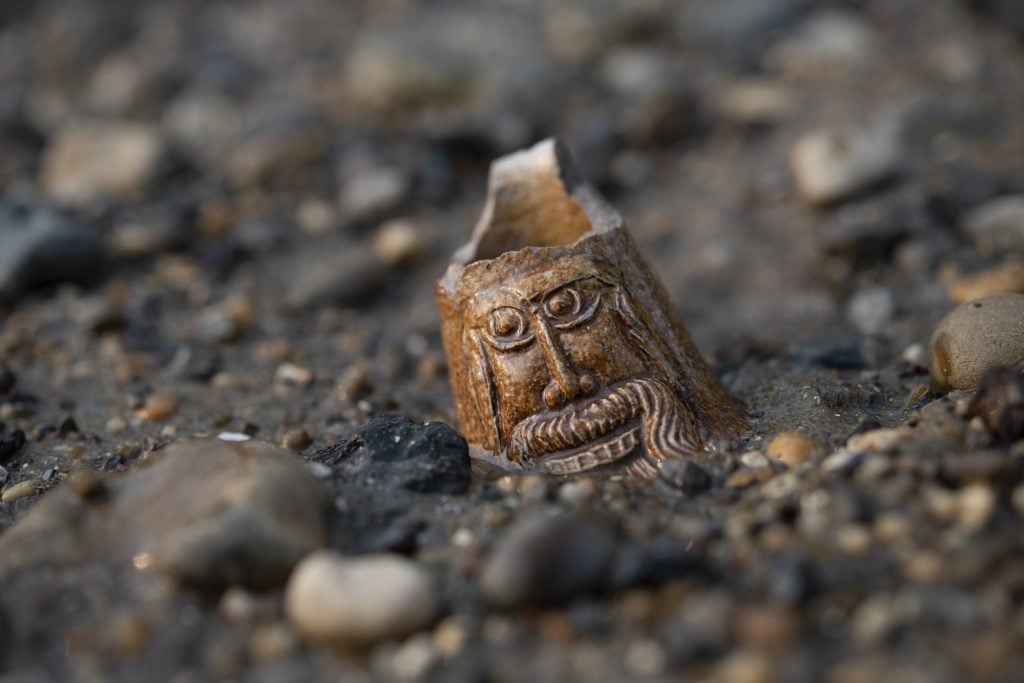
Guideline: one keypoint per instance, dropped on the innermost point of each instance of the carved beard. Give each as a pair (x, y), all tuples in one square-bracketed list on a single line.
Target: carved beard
[(641, 412)]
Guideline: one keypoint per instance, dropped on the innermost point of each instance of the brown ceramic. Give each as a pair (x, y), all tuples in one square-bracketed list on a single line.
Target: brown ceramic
[(564, 350)]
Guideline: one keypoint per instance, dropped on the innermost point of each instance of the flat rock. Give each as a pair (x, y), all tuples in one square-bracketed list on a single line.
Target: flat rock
[(204, 511), (395, 452), (794, 449), (544, 560), (976, 336), (41, 246), (357, 601), (834, 165), (997, 226), (349, 276), (90, 161), (1002, 279)]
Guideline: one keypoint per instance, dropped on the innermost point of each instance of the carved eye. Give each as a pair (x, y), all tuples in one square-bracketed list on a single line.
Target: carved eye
[(571, 305), (563, 303), (507, 322), (508, 328)]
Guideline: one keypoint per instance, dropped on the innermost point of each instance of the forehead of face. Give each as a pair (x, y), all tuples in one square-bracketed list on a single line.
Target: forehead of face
[(534, 284)]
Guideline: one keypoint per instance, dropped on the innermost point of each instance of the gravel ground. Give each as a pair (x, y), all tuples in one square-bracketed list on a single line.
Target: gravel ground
[(223, 218)]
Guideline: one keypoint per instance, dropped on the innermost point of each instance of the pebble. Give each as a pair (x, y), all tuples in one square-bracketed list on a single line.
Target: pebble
[(244, 514), (347, 276), (129, 634), (578, 491), (373, 191), (828, 39), (543, 559), (1017, 499), (853, 539), (20, 490), (884, 440), (296, 439), (158, 407), (764, 627), (394, 452), (271, 642), (831, 166), (1008, 278), (450, 637), (316, 217), (356, 381), (237, 606), (398, 243), (194, 362), (741, 478), (794, 449), (3, 476), (745, 666), (87, 485), (89, 161), (293, 375), (871, 309), (149, 234), (10, 442), (41, 246), (355, 602), (755, 101), (976, 336), (412, 660), (645, 657), (215, 324), (685, 475), (997, 226), (976, 503)]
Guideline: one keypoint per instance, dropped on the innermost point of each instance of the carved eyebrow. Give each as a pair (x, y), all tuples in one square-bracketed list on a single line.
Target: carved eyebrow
[(548, 292)]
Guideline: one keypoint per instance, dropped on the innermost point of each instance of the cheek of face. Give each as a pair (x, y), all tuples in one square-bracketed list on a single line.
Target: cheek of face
[(519, 377), (603, 349)]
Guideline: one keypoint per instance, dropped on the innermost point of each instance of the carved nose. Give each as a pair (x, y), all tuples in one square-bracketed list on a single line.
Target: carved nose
[(559, 392), (566, 384)]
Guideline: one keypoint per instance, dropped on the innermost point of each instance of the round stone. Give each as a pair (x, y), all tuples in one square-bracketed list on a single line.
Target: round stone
[(976, 336), (794, 448), (355, 602)]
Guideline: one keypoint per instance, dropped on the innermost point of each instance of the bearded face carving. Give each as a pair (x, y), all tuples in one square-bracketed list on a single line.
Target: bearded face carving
[(564, 353)]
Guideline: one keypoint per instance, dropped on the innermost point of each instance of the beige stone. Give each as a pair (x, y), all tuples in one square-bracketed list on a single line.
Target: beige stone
[(1007, 278), (91, 161), (834, 165), (355, 602), (794, 448), (976, 336)]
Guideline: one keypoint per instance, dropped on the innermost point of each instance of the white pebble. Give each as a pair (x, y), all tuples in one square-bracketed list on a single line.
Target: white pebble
[(834, 165), (360, 600), (233, 436)]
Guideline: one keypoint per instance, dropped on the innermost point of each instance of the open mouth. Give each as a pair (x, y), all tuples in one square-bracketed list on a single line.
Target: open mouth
[(604, 451)]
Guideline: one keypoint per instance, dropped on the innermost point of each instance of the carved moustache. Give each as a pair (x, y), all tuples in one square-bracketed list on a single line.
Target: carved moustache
[(607, 429)]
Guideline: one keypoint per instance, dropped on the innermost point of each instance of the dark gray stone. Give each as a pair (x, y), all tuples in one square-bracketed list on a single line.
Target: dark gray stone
[(687, 476), (395, 452), (204, 512), (544, 560), (345, 277), (40, 246)]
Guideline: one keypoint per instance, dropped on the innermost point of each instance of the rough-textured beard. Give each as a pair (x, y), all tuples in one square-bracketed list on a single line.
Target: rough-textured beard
[(558, 442)]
